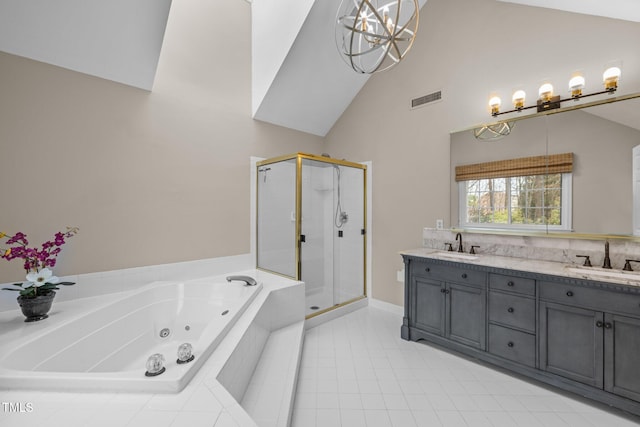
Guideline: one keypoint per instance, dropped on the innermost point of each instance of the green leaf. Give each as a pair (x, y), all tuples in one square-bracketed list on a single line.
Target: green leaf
[(30, 293), (11, 289), (65, 283)]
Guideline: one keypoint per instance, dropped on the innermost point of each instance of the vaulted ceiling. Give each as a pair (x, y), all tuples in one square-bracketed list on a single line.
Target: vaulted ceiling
[(120, 40)]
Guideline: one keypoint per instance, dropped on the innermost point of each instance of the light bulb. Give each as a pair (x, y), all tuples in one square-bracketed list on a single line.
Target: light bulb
[(576, 84), (518, 99), (363, 22), (546, 92), (610, 78), (494, 103)]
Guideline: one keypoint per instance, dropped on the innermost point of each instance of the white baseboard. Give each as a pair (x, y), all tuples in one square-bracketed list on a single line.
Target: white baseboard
[(387, 306)]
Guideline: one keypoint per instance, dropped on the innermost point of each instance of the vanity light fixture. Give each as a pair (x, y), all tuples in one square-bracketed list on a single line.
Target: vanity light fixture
[(373, 35), (548, 101)]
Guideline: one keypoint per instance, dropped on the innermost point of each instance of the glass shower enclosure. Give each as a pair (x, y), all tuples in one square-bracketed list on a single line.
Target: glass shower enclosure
[(311, 216)]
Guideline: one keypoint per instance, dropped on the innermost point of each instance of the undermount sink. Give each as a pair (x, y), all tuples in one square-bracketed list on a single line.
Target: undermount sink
[(603, 273), (456, 255)]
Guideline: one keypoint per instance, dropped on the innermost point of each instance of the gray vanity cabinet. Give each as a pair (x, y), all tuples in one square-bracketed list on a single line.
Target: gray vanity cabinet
[(465, 314), (622, 355), (428, 308), (512, 318), (588, 343), (571, 345), (576, 334), (446, 301)]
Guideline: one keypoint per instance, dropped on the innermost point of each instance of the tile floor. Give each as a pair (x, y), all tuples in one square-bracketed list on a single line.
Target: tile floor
[(357, 371)]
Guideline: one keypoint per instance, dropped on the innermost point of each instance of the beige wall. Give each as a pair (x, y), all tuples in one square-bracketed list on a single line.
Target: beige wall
[(465, 48), (149, 178)]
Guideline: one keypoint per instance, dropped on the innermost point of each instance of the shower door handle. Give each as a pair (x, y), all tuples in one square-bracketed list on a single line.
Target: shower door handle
[(303, 238)]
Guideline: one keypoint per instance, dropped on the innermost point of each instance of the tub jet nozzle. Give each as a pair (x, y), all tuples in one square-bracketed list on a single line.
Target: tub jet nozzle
[(185, 353), (155, 365)]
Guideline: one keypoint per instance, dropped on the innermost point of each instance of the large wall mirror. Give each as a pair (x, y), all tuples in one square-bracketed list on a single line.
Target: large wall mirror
[(601, 138)]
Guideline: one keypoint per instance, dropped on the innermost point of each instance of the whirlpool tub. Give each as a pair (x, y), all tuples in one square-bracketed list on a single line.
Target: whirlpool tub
[(106, 349)]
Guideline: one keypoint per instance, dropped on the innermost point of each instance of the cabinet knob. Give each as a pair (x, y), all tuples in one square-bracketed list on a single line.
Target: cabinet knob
[(608, 325), (427, 269), (510, 309), (569, 293), (447, 291), (464, 275), (510, 283), (509, 344), (599, 324), (443, 290)]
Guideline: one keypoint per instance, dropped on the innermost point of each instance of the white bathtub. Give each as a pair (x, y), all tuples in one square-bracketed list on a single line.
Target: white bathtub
[(107, 349)]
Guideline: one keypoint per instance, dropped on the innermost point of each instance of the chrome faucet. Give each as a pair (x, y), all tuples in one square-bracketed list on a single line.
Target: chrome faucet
[(607, 261), (459, 237), (250, 281)]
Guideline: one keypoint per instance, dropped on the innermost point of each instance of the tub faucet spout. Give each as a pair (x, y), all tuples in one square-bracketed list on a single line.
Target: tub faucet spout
[(250, 281)]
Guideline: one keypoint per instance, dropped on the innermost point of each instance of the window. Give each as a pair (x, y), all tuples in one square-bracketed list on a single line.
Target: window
[(522, 202), (531, 193)]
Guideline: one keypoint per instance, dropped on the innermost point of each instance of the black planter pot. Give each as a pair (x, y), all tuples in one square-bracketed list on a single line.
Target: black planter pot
[(36, 308)]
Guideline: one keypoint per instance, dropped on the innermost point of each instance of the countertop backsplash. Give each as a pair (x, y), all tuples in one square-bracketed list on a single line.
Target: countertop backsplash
[(557, 249)]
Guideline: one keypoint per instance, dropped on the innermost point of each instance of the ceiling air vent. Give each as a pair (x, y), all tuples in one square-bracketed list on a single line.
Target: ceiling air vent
[(427, 99)]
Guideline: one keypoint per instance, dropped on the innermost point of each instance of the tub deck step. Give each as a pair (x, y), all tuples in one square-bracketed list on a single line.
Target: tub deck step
[(270, 394)]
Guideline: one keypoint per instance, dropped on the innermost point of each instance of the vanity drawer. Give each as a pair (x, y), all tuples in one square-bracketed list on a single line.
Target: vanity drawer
[(513, 345), (598, 299), (448, 273), (512, 310), (512, 284)]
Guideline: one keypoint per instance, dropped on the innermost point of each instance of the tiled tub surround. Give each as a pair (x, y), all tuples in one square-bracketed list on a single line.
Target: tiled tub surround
[(555, 249), (272, 325)]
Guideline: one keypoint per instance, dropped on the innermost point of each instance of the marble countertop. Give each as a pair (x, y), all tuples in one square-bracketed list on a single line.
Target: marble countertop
[(531, 265)]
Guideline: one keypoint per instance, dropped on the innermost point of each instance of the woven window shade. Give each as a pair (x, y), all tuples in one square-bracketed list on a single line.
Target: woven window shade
[(524, 166)]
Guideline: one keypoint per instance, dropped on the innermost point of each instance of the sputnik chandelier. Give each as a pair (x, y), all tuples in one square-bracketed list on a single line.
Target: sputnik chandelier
[(374, 35)]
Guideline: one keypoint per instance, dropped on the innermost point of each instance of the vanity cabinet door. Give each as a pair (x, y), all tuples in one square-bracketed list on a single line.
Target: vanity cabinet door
[(571, 343), (427, 311), (466, 314), (622, 347)]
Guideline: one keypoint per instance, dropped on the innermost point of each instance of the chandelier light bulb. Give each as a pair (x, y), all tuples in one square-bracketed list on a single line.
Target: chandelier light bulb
[(494, 103), (545, 92), (518, 99), (610, 78)]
